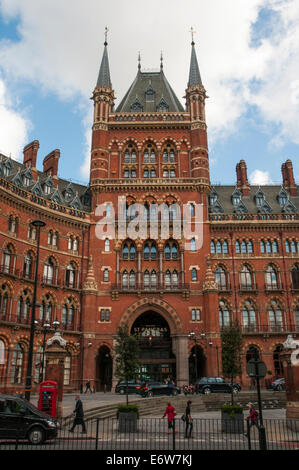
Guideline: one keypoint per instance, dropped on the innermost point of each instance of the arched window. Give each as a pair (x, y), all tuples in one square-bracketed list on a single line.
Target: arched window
[(146, 279), (106, 275), (213, 248), (125, 251), (76, 244), (272, 278), (17, 364), (153, 279), (132, 279), (107, 244), (192, 210), (8, 259), (67, 369), (224, 314), (12, 224), (263, 246), (225, 248), (4, 300), (218, 247), (193, 244), (249, 316), (252, 352), (194, 274), (238, 247), (23, 307), (2, 353), (125, 279), (49, 271), (150, 250), (175, 278), (275, 317), (46, 312), (295, 277), (70, 275), (221, 278), (246, 278), (171, 250), (68, 314), (28, 266), (167, 279)]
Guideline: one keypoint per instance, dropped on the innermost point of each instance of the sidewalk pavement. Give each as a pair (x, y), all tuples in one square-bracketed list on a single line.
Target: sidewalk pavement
[(93, 400)]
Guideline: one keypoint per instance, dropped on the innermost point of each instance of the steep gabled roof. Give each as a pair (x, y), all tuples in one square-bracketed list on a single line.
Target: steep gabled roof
[(153, 85)]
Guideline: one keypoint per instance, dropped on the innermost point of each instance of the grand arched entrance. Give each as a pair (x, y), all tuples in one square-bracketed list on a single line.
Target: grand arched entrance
[(197, 364), (104, 369), (157, 361)]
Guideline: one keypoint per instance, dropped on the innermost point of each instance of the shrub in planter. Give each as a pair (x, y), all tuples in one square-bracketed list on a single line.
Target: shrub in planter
[(127, 416), (232, 419)]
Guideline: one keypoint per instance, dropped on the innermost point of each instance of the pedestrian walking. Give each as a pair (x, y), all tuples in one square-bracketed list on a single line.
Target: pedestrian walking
[(170, 412), (88, 387), (188, 420), (79, 416), (253, 417)]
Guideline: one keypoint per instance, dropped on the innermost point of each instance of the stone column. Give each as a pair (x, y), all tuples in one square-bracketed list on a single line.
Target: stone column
[(180, 349), (290, 359), (55, 356)]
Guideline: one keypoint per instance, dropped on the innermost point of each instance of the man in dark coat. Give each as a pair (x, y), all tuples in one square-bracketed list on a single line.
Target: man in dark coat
[(79, 416)]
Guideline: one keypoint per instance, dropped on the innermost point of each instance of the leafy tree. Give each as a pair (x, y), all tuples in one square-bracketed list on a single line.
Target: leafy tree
[(232, 343), (126, 352)]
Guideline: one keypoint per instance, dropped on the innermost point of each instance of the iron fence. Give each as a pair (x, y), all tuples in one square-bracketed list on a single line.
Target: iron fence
[(154, 434)]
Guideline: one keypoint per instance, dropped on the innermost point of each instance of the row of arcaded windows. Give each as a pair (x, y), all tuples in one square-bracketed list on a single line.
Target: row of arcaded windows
[(247, 279), (50, 269)]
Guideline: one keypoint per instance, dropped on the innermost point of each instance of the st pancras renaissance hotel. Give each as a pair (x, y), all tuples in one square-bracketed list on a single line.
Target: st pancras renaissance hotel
[(176, 290)]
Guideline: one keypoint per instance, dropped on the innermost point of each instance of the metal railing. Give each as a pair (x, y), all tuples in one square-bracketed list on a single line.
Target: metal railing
[(154, 434)]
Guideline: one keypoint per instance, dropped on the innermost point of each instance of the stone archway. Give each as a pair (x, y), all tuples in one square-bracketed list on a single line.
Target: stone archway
[(179, 339), (197, 364)]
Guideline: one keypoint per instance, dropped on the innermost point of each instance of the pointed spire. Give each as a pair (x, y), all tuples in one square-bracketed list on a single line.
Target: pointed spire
[(194, 74), (161, 61), (104, 74), (90, 283)]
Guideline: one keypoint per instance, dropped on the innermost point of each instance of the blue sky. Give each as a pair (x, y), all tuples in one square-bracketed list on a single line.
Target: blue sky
[(248, 53)]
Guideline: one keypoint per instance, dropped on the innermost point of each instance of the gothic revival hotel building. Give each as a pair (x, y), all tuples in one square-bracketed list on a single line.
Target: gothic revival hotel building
[(151, 150)]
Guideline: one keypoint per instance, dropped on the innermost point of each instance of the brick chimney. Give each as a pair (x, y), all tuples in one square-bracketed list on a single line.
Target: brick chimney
[(50, 164), (242, 180), (30, 154), (288, 180)]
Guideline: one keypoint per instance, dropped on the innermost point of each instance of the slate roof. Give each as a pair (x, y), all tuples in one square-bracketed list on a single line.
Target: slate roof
[(248, 204), (67, 193), (194, 74), (104, 79), (148, 92)]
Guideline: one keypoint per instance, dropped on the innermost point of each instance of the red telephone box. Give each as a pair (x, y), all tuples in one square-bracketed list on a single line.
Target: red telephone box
[(48, 397)]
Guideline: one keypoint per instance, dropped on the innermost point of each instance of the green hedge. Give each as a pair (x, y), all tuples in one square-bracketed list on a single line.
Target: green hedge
[(232, 410), (128, 409)]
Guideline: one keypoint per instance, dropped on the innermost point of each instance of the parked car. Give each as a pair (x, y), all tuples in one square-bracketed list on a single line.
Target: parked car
[(19, 419), (150, 389), (208, 385), (133, 386), (278, 384)]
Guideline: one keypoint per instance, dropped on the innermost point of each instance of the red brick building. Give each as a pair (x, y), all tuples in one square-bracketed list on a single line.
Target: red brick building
[(154, 152)]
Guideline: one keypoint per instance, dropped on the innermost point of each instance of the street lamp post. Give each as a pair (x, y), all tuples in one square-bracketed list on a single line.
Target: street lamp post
[(46, 328), (38, 224)]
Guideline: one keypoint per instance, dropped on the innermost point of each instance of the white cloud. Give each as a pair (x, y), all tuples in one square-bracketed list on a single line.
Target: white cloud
[(260, 178), (13, 127), (61, 44)]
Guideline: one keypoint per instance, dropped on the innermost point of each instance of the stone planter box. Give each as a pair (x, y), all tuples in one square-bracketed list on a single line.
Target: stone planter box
[(127, 421), (233, 425)]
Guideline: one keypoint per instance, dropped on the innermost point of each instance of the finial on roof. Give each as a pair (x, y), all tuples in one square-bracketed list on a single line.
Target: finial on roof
[(106, 36), (139, 61), (161, 61), (192, 31)]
